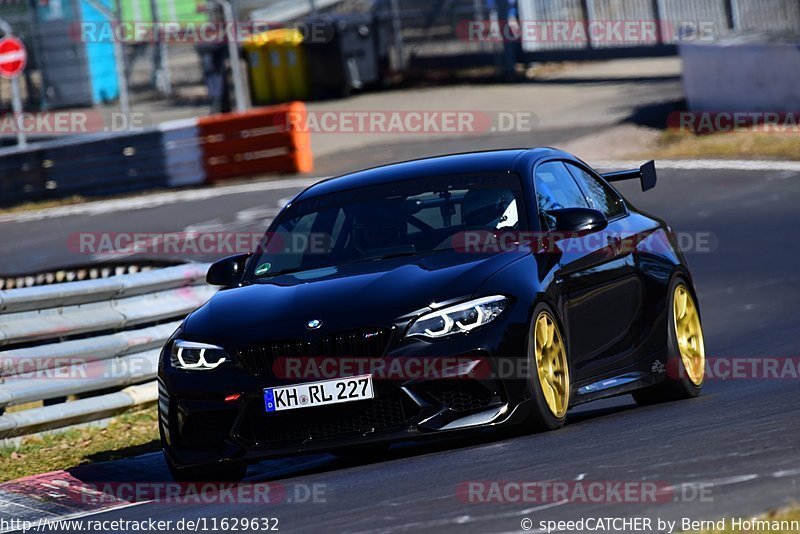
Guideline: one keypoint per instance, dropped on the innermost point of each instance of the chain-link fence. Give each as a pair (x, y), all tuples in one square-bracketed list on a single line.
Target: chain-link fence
[(672, 20)]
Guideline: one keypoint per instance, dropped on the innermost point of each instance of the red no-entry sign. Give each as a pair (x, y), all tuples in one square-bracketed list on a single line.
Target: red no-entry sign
[(12, 57)]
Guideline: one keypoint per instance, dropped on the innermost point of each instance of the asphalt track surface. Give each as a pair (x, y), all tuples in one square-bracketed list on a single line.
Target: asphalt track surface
[(740, 438)]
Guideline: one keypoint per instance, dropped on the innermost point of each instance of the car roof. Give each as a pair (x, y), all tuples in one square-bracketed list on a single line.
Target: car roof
[(467, 162)]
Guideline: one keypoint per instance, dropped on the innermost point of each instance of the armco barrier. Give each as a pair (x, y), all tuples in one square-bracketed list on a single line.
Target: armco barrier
[(88, 338), (105, 164), (183, 156), (176, 153), (22, 176)]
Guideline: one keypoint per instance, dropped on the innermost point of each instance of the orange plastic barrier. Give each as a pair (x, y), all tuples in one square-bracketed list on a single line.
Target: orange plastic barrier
[(261, 141)]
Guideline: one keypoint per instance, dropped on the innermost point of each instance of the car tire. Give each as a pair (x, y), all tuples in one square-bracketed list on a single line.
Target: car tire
[(679, 382), (227, 472), (549, 369)]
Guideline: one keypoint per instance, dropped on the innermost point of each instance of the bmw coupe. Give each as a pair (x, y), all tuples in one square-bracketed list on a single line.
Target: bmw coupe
[(445, 295)]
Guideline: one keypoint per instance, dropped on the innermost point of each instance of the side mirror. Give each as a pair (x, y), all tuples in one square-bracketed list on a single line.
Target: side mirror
[(227, 271), (578, 220)]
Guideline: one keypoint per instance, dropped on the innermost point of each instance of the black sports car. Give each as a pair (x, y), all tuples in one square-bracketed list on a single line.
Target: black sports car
[(437, 296)]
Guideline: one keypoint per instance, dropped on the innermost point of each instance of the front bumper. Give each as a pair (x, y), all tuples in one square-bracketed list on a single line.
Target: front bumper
[(466, 393)]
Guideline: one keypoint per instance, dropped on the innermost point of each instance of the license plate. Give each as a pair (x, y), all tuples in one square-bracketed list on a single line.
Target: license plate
[(321, 393)]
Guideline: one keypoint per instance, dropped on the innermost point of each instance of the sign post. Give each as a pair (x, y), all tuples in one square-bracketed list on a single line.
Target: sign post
[(233, 55), (12, 62)]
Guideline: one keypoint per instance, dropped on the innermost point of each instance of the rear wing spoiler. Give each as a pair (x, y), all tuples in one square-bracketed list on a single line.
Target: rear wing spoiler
[(646, 173)]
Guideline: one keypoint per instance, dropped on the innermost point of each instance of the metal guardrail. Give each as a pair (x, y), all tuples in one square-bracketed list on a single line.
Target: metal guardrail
[(75, 345)]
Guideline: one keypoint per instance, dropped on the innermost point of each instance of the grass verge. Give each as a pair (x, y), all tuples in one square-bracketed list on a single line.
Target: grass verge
[(732, 145), (43, 204), (129, 434)]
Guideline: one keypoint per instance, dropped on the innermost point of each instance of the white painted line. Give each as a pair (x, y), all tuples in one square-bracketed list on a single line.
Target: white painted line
[(12, 503), (260, 216), (786, 473), (464, 519), (154, 200), (716, 482)]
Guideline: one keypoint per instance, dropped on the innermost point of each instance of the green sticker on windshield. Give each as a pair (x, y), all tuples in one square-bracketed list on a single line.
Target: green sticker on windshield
[(263, 268)]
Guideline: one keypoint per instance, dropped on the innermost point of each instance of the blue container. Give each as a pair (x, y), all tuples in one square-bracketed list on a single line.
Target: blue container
[(100, 56)]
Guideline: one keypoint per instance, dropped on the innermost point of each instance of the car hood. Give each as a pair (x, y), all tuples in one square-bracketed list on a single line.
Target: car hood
[(359, 294)]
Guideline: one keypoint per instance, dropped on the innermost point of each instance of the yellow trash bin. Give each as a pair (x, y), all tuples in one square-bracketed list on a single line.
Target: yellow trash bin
[(289, 71), (278, 68), (259, 66)]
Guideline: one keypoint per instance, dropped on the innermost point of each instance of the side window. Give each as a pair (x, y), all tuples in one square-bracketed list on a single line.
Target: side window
[(556, 189), (601, 197)]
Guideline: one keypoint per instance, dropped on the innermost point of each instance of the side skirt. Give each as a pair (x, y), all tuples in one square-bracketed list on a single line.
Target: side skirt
[(643, 374)]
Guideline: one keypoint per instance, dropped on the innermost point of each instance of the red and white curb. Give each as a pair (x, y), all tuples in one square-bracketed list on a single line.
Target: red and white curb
[(55, 495), (62, 495)]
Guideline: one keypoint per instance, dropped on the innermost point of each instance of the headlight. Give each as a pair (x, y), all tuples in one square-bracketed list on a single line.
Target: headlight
[(458, 319), (196, 356)]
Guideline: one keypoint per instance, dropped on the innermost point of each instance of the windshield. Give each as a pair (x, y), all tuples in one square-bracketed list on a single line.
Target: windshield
[(405, 218)]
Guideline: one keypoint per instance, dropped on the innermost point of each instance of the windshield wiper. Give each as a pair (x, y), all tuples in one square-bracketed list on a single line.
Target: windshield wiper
[(390, 255), (287, 271)]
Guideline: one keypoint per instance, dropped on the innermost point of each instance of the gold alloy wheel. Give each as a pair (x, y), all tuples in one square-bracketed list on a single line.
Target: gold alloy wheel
[(689, 334), (551, 364)]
